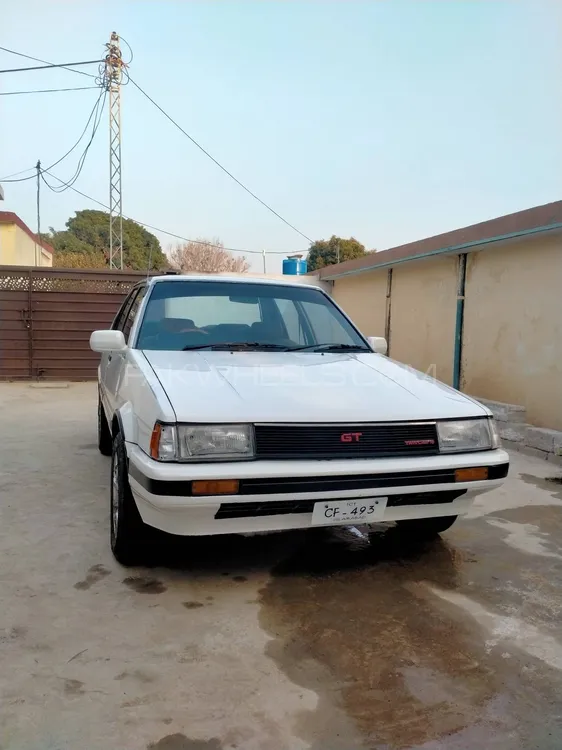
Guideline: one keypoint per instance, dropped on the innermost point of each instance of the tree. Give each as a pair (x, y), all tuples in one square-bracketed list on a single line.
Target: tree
[(79, 260), (325, 252), (206, 256), (85, 244), (70, 252)]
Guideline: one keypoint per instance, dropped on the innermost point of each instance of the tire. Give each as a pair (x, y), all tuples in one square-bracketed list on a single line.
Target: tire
[(426, 528), (105, 440), (129, 536)]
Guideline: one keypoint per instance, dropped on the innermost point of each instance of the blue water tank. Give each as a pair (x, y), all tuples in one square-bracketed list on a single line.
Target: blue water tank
[(294, 266)]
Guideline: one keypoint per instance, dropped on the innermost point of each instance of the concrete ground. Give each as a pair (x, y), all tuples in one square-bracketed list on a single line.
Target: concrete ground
[(280, 642)]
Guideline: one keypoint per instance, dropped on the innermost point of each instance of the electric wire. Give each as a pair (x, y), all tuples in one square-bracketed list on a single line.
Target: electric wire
[(47, 62), (51, 65), (21, 179), (46, 91), (122, 39), (224, 169), (70, 150), (15, 174), (98, 109), (157, 229)]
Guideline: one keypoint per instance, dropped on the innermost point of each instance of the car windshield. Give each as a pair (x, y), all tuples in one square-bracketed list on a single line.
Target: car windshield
[(183, 315)]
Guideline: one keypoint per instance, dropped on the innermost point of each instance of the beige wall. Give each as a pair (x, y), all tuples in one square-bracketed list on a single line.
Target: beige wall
[(363, 297), (423, 312), (8, 244), (18, 249), (28, 252), (512, 337), (512, 342)]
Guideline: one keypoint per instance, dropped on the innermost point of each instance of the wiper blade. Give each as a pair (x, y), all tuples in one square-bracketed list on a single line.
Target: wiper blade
[(234, 345), (330, 348)]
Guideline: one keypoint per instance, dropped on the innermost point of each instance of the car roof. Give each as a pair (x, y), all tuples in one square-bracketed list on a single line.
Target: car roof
[(230, 279)]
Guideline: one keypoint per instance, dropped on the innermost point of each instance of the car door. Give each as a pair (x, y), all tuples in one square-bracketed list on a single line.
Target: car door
[(107, 358), (117, 361)]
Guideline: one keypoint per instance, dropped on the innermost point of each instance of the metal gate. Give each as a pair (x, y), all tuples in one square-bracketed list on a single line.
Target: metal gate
[(47, 316)]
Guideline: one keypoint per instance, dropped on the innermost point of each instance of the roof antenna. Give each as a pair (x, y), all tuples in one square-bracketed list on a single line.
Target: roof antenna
[(149, 262)]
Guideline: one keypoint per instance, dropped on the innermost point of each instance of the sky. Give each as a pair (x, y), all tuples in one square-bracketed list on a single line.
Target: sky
[(385, 120)]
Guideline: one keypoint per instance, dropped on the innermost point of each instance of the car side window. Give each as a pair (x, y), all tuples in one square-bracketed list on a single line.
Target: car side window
[(117, 324), (132, 313)]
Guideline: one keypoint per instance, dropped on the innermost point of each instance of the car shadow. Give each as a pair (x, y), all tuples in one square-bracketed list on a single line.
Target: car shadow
[(310, 552)]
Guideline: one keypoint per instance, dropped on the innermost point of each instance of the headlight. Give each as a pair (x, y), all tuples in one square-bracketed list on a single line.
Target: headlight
[(465, 435), (214, 442)]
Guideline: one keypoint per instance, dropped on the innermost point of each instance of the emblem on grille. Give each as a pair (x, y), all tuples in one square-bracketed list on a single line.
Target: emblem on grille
[(419, 442), (350, 437)]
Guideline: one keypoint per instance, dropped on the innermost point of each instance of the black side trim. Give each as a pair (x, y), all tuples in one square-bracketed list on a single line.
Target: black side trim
[(161, 487), (499, 471), (285, 507), (316, 484)]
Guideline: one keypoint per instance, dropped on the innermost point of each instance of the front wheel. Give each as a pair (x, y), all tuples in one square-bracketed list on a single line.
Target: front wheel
[(426, 528), (129, 535)]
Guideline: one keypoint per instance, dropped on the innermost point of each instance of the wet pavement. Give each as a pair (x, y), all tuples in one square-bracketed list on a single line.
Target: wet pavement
[(318, 640)]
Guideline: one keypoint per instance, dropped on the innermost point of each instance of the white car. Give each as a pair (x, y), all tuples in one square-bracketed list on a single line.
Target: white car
[(239, 405)]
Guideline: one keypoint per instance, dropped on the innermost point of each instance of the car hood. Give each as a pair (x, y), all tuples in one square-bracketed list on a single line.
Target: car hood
[(208, 386)]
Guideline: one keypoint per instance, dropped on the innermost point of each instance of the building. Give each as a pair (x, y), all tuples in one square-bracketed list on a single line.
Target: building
[(19, 246), (479, 308)]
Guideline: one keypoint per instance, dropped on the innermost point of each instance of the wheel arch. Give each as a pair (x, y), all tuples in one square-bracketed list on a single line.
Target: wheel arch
[(124, 423)]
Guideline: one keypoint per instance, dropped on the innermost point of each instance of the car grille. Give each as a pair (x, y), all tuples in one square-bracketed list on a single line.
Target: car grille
[(285, 507), (346, 441)]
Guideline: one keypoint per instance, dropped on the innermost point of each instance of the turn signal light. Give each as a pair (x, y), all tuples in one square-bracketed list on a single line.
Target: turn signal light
[(215, 487), (471, 475), (155, 440)]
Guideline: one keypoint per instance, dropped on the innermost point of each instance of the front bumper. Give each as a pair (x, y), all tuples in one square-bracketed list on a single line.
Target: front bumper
[(163, 496)]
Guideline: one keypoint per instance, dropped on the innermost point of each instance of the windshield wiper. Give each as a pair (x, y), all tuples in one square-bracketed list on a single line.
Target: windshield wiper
[(234, 345), (330, 348)]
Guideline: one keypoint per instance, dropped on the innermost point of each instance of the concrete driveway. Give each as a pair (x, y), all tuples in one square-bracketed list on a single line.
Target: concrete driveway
[(281, 642)]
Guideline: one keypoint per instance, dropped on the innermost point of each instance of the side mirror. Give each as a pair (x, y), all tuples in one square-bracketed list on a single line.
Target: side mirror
[(378, 344), (107, 341)]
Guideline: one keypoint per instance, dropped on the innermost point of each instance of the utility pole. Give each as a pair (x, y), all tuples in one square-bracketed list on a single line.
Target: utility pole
[(38, 250), (113, 76), (263, 255)]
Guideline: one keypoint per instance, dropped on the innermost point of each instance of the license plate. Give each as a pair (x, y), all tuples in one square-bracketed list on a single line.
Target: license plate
[(363, 510)]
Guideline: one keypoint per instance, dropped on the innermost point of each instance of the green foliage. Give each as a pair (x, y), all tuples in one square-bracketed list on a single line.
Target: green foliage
[(71, 252), (325, 252), (79, 260), (85, 244), (66, 242)]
